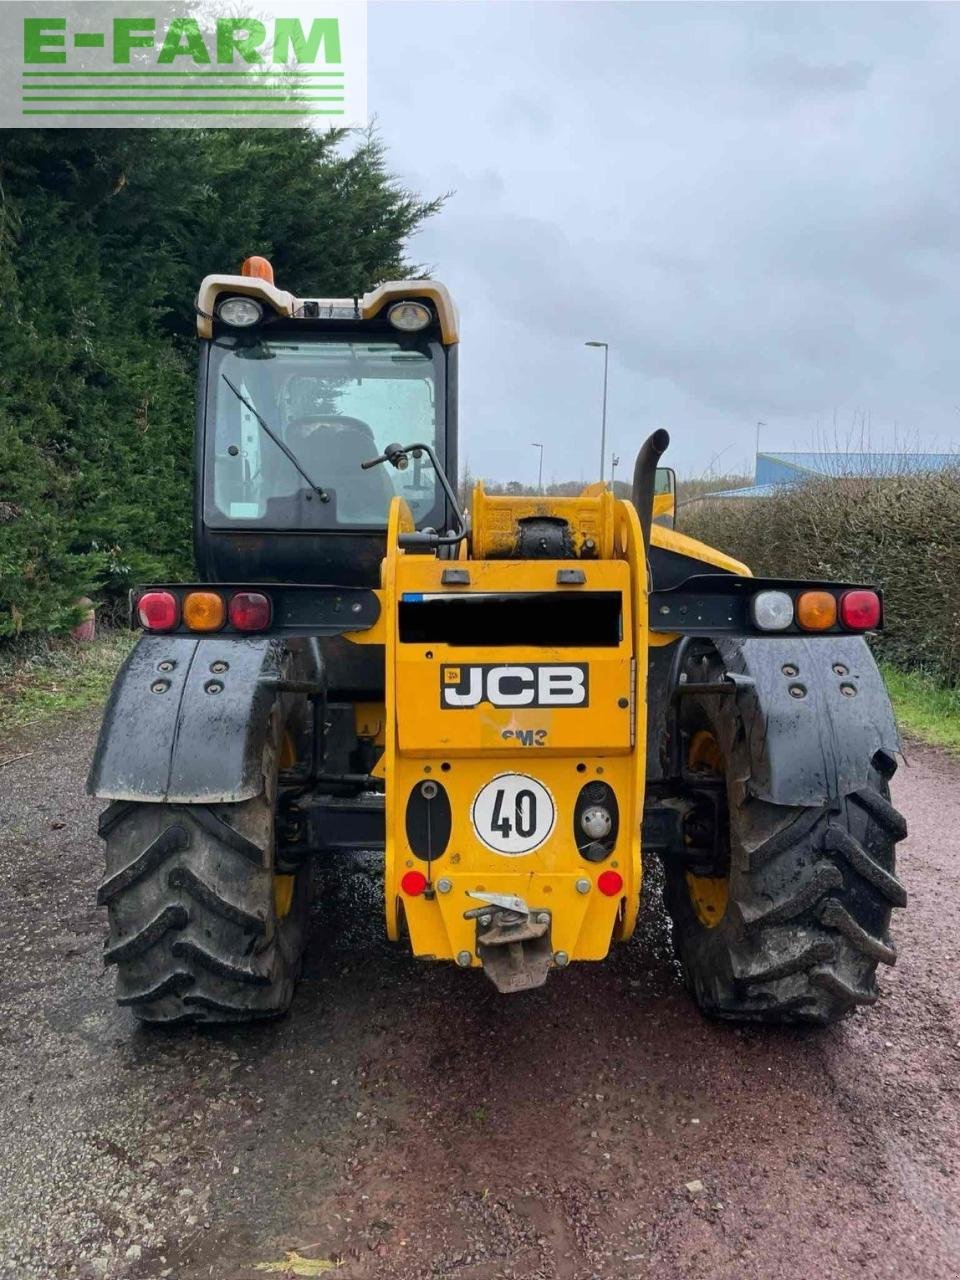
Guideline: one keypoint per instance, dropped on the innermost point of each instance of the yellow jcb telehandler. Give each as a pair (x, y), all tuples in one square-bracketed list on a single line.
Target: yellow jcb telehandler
[(514, 705)]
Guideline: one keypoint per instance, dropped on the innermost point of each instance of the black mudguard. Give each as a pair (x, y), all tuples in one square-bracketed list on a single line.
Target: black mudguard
[(193, 732), (817, 742)]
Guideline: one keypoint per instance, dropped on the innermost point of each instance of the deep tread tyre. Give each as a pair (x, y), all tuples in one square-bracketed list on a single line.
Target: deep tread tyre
[(189, 894), (809, 896)]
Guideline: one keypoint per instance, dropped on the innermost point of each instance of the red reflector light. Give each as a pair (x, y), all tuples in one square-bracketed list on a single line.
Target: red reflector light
[(610, 883), (249, 611), (158, 610), (860, 610), (413, 883)]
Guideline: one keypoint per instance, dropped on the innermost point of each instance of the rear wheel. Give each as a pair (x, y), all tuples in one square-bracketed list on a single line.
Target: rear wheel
[(204, 926), (787, 919)]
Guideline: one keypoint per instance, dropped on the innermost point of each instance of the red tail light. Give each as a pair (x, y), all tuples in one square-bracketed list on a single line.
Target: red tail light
[(610, 883), (413, 883), (860, 610), (249, 611), (158, 610)]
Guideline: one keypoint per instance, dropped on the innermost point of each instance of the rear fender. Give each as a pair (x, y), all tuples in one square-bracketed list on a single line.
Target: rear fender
[(193, 732), (816, 743)]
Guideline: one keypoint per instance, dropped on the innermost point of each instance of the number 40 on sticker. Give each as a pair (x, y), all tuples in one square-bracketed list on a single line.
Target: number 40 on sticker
[(513, 814)]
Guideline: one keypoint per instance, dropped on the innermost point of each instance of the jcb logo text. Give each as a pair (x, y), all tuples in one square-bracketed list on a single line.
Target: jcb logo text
[(536, 685)]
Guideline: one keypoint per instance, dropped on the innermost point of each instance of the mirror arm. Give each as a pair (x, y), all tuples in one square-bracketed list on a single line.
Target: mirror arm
[(397, 455)]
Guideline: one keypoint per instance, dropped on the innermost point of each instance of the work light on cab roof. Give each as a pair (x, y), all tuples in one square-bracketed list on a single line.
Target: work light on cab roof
[(240, 313), (409, 317)]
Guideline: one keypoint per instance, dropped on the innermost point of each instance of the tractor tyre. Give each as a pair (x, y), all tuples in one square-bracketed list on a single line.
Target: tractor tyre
[(790, 921), (202, 925)]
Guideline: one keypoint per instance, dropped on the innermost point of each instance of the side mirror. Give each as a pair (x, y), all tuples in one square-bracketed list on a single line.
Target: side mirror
[(665, 497)]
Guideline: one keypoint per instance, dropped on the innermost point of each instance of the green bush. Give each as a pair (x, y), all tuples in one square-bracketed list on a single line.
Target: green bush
[(104, 238), (901, 533)]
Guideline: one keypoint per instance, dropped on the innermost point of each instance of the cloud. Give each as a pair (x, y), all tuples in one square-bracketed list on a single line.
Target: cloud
[(791, 76), (755, 205)]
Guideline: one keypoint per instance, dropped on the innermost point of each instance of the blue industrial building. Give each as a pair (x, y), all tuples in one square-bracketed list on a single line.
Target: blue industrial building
[(775, 470)]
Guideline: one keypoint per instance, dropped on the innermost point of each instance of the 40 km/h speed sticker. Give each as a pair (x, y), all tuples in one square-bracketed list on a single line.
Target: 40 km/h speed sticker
[(513, 814)]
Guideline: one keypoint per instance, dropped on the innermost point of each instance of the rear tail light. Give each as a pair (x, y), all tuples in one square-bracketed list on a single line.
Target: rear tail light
[(158, 610), (413, 883), (204, 611), (816, 610), (772, 610), (860, 610), (610, 883), (249, 611)]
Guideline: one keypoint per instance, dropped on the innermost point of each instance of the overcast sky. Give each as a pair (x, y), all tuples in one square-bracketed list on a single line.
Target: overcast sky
[(755, 205)]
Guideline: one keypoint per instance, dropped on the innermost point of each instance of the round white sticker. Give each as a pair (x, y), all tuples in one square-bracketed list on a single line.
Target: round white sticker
[(513, 814)]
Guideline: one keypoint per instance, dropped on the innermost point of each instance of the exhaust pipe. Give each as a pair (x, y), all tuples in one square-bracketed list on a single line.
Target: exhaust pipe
[(645, 479)]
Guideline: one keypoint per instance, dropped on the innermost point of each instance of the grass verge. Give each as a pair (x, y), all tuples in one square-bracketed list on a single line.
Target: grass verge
[(925, 709), (45, 678)]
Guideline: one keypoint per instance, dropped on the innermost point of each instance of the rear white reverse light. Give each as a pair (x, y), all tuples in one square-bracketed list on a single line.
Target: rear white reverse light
[(771, 610)]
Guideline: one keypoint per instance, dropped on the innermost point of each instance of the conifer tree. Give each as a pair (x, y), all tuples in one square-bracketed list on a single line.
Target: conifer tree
[(104, 238)]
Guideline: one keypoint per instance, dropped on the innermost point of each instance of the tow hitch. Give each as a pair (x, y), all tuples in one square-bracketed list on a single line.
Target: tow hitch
[(513, 941)]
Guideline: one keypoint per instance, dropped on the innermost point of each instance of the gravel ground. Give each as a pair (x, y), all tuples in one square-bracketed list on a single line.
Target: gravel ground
[(407, 1122)]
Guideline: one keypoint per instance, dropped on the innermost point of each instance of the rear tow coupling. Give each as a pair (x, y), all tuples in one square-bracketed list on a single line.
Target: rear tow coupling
[(513, 941)]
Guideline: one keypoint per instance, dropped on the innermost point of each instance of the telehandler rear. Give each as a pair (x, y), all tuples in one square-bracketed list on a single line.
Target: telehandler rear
[(515, 706)]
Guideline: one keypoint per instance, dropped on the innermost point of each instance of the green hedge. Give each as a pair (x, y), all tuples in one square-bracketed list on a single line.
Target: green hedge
[(902, 533), (104, 238)]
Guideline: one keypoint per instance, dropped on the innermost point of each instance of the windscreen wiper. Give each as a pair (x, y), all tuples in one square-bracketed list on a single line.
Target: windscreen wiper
[(320, 492)]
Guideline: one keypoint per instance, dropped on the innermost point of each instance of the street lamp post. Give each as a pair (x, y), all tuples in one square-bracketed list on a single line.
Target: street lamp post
[(614, 463), (537, 445), (603, 415)]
